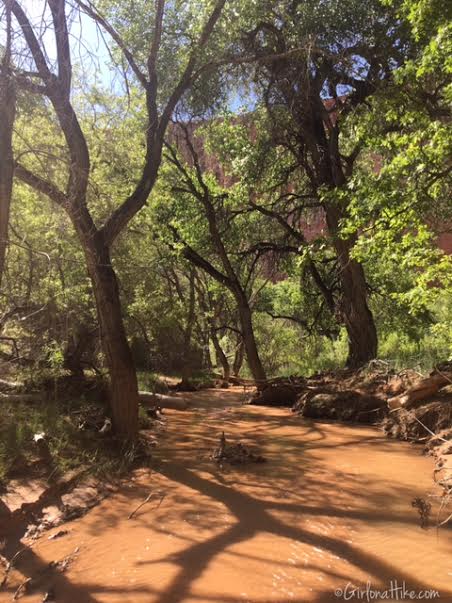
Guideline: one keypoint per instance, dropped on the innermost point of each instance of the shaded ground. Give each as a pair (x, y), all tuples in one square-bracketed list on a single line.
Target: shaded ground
[(331, 505)]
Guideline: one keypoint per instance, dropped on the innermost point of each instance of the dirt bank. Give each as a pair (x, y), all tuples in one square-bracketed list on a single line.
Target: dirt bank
[(408, 405)]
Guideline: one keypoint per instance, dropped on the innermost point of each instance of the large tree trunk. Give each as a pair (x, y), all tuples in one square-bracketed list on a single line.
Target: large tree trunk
[(116, 349), (354, 310), (7, 113), (358, 319), (249, 340)]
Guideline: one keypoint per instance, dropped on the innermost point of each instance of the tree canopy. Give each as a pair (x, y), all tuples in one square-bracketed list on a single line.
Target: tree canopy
[(187, 184)]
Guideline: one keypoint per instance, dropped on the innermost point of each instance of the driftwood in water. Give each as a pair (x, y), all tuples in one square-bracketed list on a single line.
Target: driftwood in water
[(235, 454), (421, 391), (151, 399)]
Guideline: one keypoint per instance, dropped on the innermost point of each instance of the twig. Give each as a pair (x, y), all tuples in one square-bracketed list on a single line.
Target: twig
[(160, 502), (443, 375), (146, 500), (429, 430), (443, 523), (444, 503), (21, 589), (10, 565)]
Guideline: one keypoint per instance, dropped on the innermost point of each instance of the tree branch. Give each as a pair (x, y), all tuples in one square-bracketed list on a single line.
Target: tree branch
[(299, 321), (41, 185), (96, 16), (57, 8), (33, 43), (57, 91), (187, 76), (119, 219)]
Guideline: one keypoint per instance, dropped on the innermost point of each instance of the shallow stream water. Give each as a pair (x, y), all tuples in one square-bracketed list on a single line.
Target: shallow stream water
[(330, 511)]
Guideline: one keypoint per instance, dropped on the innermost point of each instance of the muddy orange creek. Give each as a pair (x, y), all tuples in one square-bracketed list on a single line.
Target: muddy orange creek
[(328, 517)]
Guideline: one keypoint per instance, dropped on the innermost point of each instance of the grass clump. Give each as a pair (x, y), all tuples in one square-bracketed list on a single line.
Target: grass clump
[(72, 433)]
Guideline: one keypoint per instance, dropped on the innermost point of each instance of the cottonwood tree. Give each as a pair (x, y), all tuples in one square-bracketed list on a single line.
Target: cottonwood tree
[(219, 312), (212, 232), (330, 59), (401, 210), (53, 79), (297, 227)]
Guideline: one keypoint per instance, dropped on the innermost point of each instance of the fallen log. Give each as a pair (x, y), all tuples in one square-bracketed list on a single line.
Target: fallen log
[(147, 398), (420, 391), (239, 381), (150, 399), (10, 385), (17, 398)]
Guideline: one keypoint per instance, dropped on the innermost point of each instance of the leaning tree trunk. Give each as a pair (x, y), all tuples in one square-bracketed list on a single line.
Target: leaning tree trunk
[(249, 340), (354, 309), (123, 379), (7, 113), (222, 359)]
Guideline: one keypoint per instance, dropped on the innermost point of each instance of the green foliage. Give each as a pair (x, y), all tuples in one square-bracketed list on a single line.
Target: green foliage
[(152, 382), (287, 350), (424, 343), (397, 198), (400, 195)]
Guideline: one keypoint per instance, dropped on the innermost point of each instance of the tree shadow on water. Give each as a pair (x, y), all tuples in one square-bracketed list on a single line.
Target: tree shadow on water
[(253, 516)]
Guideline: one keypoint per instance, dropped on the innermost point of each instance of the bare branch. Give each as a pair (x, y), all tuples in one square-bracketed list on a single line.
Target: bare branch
[(119, 219), (192, 256), (156, 39), (299, 321), (57, 91), (33, 43), (188, 75), (96, 16), (151, 91)]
